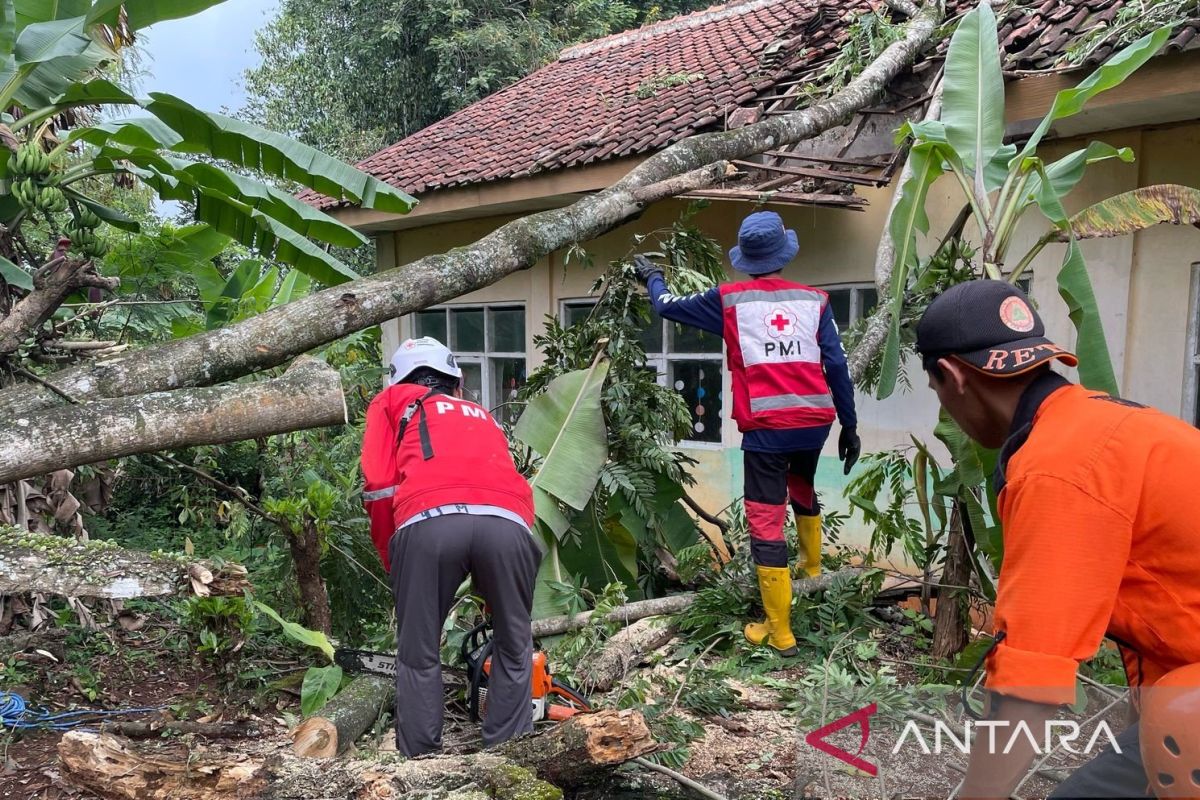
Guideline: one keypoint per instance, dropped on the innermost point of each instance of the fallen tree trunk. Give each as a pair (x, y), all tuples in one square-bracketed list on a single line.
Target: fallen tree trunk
[(624, 651), (274, 336), (344, 718), (577, 752), (208, 730), (308, 395), (663, 606), (113, 768), (35, 562)]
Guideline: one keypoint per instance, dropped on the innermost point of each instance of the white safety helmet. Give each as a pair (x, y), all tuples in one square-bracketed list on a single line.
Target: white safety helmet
[(413, 354)]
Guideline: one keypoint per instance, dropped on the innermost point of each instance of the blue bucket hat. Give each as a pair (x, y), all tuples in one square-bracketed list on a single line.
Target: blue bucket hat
[(764, 245)]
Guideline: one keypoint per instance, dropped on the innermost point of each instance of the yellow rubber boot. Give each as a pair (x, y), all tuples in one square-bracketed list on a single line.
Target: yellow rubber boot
[(808, 531), (775, 586)]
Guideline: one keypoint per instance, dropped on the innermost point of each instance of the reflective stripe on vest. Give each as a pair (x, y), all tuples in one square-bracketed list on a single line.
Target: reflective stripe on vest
[(781, 401), (378, 494), (765, 296)]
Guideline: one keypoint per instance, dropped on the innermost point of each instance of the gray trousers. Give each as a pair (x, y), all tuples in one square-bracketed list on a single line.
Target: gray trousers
[(1110, 774), (430, 559)]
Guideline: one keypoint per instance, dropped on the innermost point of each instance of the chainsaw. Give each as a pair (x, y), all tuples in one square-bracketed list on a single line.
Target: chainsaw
[(551, 699)]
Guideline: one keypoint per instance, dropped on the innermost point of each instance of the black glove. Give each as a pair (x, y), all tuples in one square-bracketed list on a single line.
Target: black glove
[(645, 268), (849, 448)]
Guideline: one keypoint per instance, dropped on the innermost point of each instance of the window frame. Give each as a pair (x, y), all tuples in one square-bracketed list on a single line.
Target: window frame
[(481, 357), (1191, 374), (662, 360), (855, 288)]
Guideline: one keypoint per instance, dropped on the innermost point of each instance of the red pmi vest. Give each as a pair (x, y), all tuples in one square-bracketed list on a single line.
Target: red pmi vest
[(462, 458), (771, 335)]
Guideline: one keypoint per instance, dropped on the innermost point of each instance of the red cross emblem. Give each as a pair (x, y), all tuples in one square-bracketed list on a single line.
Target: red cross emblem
[(780, 323)]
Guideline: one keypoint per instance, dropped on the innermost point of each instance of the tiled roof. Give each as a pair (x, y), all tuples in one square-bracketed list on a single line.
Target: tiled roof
[(637, 92)]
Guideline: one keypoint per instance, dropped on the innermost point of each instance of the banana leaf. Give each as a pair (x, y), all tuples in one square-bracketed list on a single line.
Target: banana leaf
[(15, 276), (1137, 210), (143, 13), (565, 426), (1109, 75), (907, 219), (1065, 173), (973, 91), (1075, 287), (183, 128)]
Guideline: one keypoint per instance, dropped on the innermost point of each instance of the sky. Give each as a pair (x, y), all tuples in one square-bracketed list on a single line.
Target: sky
[(201, 58)]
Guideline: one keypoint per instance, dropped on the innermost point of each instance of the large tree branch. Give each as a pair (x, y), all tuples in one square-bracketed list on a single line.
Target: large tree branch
[(308, 395), (52, 284), (273, 337)]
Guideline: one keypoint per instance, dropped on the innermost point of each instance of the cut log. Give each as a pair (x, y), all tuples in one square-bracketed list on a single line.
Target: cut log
[(625, 650), (308, 395), (582, 749), (671, 604), (344, 718), (35, 562), (112, 768)]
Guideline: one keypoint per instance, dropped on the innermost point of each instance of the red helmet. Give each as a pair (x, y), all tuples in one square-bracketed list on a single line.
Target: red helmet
[(1170, 733)]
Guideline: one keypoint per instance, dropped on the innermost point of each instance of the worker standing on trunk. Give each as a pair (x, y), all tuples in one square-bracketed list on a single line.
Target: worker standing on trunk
[(445, 501), (790, 380), (1101, 522)]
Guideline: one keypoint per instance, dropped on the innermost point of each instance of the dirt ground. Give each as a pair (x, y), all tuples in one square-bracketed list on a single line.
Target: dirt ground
[(759, 751)]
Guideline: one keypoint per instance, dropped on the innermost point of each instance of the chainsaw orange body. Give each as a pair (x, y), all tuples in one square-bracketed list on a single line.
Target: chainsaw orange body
[(551, 700)]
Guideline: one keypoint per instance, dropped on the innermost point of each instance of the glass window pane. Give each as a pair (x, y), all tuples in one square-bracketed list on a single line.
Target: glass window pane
[(574, 313), (466, 330), (507, 331), (472, 381), (700, 384), (430, 323), (839, 301), (508, 376), (867, 300), (651, 336), (686, 339)]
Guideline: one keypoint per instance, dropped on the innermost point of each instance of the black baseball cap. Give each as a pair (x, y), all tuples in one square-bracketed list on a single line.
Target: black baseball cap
[(990, 325)]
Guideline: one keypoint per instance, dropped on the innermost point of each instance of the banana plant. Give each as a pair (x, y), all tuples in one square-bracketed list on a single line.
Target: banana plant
[(1000, 184), (51, 57)]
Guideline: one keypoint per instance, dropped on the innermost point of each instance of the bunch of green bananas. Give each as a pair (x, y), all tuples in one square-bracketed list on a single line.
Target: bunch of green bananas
[(51, 199), (30, 161), (86, 219), (26, 193), (85, 240)]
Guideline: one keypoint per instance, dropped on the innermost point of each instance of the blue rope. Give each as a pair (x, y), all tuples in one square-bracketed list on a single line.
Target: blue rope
[(16, 714)]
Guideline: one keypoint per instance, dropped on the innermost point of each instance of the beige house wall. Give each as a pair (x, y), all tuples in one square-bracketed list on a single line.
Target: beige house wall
[(1143, 284)]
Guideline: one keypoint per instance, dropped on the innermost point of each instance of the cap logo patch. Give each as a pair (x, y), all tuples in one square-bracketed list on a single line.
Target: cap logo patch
[(1016, 315)]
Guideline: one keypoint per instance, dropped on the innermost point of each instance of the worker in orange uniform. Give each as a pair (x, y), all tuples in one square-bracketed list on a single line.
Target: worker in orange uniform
[(445, 501), (790, 382), (1101, 523)]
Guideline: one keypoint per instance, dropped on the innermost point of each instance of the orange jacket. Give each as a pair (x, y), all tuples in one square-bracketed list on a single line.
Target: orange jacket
[(1101, 520)]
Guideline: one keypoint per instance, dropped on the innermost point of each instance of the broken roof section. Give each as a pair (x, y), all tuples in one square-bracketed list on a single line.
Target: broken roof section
[(633, 93)]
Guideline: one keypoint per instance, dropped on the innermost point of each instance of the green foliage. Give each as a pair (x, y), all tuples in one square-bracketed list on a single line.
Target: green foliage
[(319, 687), (221, 625), (1133, 21), (610, 530), (359, 75), (299, 633), (867, 36)]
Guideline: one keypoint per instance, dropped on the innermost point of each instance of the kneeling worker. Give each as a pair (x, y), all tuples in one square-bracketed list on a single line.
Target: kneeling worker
[(445, 500)]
